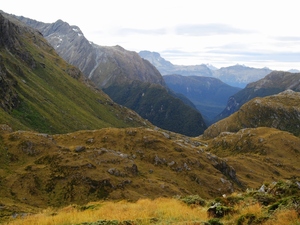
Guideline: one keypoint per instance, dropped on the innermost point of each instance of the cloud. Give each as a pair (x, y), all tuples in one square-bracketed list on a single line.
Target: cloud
[(135, 31), (187, 30), (208, 29), (288, 39)]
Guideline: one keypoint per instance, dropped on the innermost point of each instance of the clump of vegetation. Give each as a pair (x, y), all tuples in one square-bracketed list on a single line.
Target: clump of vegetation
[(193, 200), (214, 221)]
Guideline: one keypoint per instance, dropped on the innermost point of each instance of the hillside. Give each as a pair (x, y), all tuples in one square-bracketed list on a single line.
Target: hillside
[(208, 94), (273, 83), (160, 106), (280, 111), (115, 68), (41, 92), (43, 170)]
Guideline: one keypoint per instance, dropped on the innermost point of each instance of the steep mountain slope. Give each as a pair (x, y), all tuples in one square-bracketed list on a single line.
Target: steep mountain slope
[(104, 65), (154, 102), (165, 67), (273, 83), (279, 111), (240, 75), (208, 94), (114, 69), (40, 91)]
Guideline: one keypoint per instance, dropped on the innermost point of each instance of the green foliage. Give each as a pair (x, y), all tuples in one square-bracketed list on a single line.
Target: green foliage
[(102, 222), (214, 221), (193, 200), (264, 198)]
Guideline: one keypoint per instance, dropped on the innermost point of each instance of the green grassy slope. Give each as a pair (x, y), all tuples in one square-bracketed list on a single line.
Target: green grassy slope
[(52, 96)]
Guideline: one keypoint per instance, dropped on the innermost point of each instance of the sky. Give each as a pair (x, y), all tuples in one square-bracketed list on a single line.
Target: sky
[(256, 33)]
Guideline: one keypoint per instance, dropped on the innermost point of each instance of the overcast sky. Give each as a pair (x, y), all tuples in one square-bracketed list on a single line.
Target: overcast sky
[(256, 33)]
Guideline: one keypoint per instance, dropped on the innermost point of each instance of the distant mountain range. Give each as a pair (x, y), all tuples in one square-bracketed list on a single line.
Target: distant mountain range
[(115, 70), (236, 76), (166, 68)]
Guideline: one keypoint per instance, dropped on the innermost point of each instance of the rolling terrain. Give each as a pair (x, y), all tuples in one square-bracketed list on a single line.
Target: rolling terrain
[(65, 146)]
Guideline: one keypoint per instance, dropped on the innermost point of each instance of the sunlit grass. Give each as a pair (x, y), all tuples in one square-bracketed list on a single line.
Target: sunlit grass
[(284, 217), (145, 211)]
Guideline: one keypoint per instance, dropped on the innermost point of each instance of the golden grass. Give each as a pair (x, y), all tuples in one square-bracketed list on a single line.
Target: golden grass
[(284, 217), (162, 210)]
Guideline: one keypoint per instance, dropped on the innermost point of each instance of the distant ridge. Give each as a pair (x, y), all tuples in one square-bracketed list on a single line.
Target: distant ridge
[(280, 111), (273, 83), (236, 76), (166, 68)]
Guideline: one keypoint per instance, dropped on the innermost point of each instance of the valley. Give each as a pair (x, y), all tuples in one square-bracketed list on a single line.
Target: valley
[(97, 135)]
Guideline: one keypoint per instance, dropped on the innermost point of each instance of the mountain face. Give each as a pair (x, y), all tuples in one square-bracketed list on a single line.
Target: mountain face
[(114, 70), (102, 64), (275, 82), (165, 67), (280, 111), (208, 94), (40, 91)]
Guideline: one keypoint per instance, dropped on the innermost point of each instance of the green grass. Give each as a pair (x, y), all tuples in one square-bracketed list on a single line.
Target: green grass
[(50, 99)]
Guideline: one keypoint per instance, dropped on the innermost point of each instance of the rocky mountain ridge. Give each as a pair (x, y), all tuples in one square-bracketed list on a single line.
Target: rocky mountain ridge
[(104, 65), (115, 69)]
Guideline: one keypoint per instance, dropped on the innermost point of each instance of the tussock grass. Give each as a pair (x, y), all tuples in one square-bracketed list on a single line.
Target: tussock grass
[(158, 211), (144, 211)]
